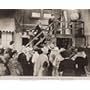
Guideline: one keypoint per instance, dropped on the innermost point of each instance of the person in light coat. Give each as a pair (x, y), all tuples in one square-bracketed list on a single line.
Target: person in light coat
[(55, 58), (42, 63), (35, 59)]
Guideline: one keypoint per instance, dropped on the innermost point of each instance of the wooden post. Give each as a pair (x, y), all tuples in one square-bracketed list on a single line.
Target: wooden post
[(42, 13), (73, 35)]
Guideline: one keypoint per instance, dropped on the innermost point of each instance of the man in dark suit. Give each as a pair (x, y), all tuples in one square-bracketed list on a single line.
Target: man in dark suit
[(67, 66)]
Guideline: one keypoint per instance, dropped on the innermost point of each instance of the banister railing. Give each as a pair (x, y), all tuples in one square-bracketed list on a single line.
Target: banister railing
[(39, 34), (39, 41), (34, 38)]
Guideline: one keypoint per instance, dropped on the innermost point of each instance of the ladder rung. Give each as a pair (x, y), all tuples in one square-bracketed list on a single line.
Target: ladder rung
[(34, 39), (40, 41)]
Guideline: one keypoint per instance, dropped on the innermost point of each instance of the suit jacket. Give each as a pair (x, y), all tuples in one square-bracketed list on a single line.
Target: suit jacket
[(67, 66)]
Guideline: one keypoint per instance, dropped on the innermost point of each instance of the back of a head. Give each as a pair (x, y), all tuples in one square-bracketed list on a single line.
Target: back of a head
[(13, 53), (21, 57), (39, 51), (45, 64), (64, 54), (8, 51)]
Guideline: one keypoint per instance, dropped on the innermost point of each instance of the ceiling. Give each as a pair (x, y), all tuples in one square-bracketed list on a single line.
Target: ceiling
[(7, 12)]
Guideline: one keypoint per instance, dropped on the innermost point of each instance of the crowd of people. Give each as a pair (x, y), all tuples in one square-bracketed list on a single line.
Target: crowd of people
[(46, 61)]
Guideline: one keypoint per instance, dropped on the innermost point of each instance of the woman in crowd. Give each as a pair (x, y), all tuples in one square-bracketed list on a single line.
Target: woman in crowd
[(35, 58)]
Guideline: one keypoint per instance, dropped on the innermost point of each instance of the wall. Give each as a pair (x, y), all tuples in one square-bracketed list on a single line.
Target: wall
[(7, 27), (6, 39), (86, 18)]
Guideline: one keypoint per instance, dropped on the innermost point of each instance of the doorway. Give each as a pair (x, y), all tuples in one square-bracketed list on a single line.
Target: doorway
[(64, 42)]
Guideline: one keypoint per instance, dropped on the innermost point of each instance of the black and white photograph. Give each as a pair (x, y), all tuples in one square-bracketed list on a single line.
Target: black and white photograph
[(45, 42)]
